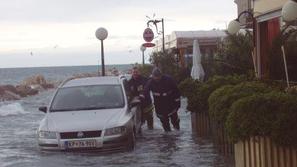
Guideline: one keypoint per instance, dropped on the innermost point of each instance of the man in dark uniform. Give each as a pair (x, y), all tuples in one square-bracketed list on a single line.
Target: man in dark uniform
[(166, 98), (136, 86)]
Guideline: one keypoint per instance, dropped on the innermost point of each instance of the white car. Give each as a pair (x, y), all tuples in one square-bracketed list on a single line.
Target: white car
[(90, 114)]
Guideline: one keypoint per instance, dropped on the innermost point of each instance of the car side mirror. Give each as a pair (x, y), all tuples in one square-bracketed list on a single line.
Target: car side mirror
[(134, 102), (43, 109)]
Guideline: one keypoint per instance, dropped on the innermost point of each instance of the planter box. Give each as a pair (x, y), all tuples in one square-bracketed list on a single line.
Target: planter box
[(220, 139), (200, 124), (261, 152)]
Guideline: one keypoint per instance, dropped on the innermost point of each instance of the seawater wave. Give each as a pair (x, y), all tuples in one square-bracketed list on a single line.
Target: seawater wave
[(11, 109)]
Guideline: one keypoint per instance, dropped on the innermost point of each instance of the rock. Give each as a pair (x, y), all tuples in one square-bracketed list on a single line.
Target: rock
[(38, 82), (10, 96), (8, 93), (2, 92), (34, 80), (24, 90), (10, 88), (48, 86), (29, 87), (37, 87)]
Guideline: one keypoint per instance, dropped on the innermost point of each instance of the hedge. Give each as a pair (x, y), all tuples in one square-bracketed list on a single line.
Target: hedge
[(198, 92), (272, 114), (221, 99)]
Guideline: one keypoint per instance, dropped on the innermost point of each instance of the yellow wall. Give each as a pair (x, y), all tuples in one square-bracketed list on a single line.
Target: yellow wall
[(264, 6)]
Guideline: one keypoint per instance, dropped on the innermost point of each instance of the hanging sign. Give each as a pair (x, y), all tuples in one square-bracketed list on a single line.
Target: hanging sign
[(148, 35), (148, 45)]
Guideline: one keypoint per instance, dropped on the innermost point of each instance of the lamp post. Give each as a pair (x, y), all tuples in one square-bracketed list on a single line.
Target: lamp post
[(289, 14), (101, 34), (289, 11), (234, 27), (142, 49), (155, 23)]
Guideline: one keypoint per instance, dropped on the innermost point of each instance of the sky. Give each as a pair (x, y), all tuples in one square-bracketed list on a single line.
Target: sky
[(36, 33)]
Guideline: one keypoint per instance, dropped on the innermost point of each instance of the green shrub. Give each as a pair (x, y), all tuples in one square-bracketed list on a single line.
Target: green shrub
[(198, 93), (218, 81), (285, 127), (188, 87), (204, 91), (168, 64), (233, 56), (256, 115), (221, 99)]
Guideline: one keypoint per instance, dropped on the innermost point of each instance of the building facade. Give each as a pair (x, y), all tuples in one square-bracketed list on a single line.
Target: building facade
[(268, 21), (267, 27), (182, 42)]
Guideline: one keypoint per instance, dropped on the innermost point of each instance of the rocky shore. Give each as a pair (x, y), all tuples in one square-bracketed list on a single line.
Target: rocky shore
[(28, 87)]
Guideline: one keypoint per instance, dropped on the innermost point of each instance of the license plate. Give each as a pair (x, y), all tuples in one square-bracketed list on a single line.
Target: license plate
[(81, 144)]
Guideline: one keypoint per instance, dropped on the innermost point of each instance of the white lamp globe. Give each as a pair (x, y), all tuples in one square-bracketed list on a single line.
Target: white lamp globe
[(142, 48), (233, 27), (101, 33), (289, 11)]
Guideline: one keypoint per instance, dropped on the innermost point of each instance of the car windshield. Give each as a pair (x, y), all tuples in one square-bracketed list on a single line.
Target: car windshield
[(88, 98)]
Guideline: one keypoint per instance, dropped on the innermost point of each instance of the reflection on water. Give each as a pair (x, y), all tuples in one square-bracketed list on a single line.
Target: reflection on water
[(18, 147)]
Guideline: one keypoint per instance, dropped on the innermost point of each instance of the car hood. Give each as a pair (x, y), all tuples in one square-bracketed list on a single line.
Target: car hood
[(84, 120)]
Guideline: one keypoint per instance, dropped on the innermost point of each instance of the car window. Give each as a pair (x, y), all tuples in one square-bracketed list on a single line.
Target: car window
[(88, 98)]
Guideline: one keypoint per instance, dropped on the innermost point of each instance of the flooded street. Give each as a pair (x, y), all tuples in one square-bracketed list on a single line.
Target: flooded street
[(18, 146)]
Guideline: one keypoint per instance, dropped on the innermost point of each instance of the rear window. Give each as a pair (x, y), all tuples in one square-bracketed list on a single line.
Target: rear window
[(88, 98)]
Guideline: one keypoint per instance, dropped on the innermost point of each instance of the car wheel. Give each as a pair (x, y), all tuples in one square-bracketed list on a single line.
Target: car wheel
[(131, 141)]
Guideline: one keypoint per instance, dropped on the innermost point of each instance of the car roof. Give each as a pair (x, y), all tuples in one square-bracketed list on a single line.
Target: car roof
[(106, 80)]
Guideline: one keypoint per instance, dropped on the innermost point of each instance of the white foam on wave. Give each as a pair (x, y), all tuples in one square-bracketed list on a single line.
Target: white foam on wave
[(12, 109)]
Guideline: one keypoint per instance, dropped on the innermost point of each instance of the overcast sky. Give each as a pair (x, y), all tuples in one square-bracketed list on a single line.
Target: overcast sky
[(62, 32)]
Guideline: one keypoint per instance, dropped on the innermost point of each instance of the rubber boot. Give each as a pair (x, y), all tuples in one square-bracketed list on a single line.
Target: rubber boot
[(165, 124), (175, 121), (150, 121), (176, 125)]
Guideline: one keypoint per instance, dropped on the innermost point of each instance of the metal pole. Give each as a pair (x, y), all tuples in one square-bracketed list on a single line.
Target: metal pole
[(285, 64), (102, 59), (163, 35), (142, 58)]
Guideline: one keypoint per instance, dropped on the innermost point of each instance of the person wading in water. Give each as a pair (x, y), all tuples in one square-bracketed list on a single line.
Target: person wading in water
[(166, 98), (136, 86)]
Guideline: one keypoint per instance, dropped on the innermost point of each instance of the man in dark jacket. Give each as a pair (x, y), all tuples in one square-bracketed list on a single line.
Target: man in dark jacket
[(136, 86), (166, 98)]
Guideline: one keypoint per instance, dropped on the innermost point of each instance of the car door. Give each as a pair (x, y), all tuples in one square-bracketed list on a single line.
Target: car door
[(133, 105), (136, 110)]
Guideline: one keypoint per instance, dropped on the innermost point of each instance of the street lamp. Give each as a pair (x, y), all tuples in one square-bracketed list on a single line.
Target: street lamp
[(101, 34), (234, 27), (155, 23), (289, 14), (289, 11), (142, 49)]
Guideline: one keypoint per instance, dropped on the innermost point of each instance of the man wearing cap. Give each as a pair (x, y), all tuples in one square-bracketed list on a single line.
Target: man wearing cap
[(136, 85), (166, 98)]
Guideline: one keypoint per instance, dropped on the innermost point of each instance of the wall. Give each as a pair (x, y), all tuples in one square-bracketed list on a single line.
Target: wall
[(266, 6)]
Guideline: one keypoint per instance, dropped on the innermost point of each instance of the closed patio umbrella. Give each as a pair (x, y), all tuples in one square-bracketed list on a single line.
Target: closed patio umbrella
[(197, 69)]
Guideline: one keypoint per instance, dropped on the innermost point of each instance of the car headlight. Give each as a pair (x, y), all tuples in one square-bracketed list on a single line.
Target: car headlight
[(115, 131), (47, 135)]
